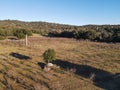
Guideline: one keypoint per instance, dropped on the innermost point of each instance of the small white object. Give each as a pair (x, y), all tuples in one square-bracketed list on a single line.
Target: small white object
[(49, 64)]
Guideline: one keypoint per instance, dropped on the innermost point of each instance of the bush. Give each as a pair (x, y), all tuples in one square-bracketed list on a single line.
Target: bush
[(20, 33), (82, 34), (91, 35), (79, 34), (49, 55), (2, 38), (2, 32), (116, 36)]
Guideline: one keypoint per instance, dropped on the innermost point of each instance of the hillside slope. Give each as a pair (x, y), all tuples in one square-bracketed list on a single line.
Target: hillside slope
[(20, 66), (45, 26)]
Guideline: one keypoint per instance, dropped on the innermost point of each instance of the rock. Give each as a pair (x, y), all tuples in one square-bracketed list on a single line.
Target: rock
[(50, 65), (47, 68)]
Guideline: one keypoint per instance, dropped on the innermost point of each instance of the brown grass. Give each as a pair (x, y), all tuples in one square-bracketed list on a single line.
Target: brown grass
[(27, 74)]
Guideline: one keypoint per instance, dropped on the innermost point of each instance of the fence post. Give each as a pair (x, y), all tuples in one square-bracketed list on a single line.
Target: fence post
[(26, 40)]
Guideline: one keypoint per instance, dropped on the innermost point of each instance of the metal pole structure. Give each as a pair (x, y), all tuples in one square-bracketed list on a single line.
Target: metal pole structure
[(26, 40)]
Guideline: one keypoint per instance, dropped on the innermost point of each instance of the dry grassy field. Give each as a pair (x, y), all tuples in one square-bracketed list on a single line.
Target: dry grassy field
[(21, 66)]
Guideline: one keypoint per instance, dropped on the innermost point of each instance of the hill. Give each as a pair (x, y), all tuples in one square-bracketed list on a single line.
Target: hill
[(34, 26), (77, 62), (101, 33), (80, 64)]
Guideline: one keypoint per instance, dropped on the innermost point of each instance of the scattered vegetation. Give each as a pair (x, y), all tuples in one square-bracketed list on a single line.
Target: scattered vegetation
[(78, 62), (101, 33)]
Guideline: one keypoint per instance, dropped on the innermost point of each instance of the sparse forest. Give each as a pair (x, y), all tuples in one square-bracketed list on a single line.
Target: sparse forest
[(101, 33)]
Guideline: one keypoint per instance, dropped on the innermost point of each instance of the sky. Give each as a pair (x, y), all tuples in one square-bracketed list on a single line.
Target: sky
[(73, 12)]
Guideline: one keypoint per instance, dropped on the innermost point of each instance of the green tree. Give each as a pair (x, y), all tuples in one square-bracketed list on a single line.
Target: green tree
[(83, 34), (91, 35), (49, 55), (116, 35), (20, 33)]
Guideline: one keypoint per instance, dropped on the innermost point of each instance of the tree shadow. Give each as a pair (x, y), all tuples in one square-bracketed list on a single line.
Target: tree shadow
[(41, 64), (19, 56), (103, 79)]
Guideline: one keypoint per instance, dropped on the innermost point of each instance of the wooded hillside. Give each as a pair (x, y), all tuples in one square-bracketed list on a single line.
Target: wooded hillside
[(104, 33)]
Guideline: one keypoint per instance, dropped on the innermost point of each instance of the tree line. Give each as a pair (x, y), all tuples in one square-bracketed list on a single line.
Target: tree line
[(93, 35), (102, 33)]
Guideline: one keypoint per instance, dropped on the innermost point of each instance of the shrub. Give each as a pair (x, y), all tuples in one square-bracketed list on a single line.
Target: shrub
[(82, 34), (2, 32), (2, 37), (20, 33), (91, 35), (49, 55), (105, 36), (79, 34), (28, 32), (116, 36)]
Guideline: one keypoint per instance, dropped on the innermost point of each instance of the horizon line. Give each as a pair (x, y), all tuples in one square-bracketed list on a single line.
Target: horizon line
[(56, 22)]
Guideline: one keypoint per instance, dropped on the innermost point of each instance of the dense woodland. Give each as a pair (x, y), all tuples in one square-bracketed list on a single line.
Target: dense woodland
[(101, 33)]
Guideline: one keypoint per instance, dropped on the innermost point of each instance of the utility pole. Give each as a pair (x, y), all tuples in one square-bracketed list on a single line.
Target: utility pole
[(26, 40)]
